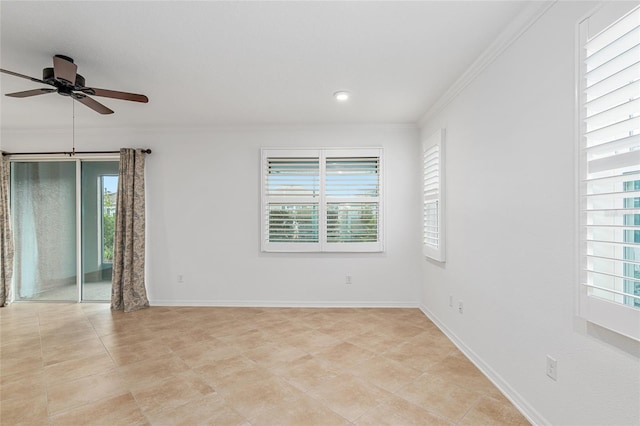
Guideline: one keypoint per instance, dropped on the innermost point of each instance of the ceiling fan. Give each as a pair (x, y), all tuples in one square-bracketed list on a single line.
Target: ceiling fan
[(67, 82)]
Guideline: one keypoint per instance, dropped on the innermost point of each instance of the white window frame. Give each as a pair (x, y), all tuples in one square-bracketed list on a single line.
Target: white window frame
[(611, 314), (433, 188), (322, 200)]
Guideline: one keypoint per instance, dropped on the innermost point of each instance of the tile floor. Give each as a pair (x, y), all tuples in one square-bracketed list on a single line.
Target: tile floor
[(81, 364)]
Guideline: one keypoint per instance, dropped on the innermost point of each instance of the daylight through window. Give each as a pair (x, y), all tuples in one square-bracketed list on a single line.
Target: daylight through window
[(322, 200), (433, 192), (610, 175)]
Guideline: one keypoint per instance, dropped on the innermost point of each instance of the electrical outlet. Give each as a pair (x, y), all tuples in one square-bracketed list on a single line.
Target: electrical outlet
[(347, 279), (180, 279), (451, 301), (552, 368), (460, 307)]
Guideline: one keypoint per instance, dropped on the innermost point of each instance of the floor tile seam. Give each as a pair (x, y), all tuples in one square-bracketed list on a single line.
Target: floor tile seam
[(321, 402), (338, 366), (44, 379), (77, 407), (145, 362), (398, 387), (93, 327), (362, 381), (290, 381), (18, 354), (383, 353), (471, 408), (225, 404), (65, 317), (431, 412), (70, 337), (252, 362), (454, 383), (143, 412), (133, 389), (12, 410), (73, 357), (427, 409), (19, 322), (57, 382), (22, 398), (252, 420), (386, 356), (394, 395), (50, 352), (498, 400), (62, 346), (357, 345), (232, 408)]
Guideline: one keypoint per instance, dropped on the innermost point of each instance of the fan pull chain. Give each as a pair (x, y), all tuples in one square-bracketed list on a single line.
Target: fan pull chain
[(73, 131)]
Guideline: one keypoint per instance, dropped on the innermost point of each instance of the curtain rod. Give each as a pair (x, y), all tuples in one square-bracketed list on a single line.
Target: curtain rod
[(70, 154)]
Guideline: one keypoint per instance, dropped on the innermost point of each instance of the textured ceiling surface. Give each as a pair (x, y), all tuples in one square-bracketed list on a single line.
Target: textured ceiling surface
[(210, 63)]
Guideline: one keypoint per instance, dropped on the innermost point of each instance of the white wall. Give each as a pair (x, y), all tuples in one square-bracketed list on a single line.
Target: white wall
[(203, 216), (510, 243)]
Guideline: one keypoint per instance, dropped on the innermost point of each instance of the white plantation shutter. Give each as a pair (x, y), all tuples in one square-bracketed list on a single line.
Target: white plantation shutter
[(610, 175), (353, 197), (321, 200), (433, 206), (291, 201)]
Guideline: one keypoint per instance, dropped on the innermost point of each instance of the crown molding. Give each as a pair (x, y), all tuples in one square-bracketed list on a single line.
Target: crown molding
[(532, 12)]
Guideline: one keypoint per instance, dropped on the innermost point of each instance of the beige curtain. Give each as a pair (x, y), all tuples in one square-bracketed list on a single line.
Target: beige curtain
[(6, 237), (128, 290)]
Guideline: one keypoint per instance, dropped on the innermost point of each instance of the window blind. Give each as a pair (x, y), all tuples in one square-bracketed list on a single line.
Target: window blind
[(352, 177), (322, 200), (432, 207), (610, 175), (291, 208), (352, 190), (293, 177)]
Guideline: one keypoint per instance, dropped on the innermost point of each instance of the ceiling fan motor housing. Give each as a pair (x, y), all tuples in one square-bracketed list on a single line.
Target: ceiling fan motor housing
[(49, 77)]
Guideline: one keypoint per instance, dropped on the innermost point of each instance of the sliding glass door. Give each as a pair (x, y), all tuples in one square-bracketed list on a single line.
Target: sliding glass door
[(99, 191), (64, 216), (43, 207)]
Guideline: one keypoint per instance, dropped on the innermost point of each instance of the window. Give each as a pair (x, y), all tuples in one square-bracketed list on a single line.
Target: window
[(108, 197), (631, 254), (322, 200), (610, 173), (433, 202)]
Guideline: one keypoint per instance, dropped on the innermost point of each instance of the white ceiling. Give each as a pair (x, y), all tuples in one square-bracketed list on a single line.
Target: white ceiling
[(209, 63)]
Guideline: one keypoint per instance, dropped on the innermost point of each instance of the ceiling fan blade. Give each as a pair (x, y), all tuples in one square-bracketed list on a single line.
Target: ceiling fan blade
[(94, 105), (23, 76), (64, 69), (116, 95), (28, 93)]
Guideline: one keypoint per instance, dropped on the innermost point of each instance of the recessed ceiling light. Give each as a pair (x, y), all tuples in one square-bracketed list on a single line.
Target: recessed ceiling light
[(341, 96)]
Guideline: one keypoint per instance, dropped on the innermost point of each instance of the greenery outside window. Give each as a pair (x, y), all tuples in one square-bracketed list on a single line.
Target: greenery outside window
[(108, 198)]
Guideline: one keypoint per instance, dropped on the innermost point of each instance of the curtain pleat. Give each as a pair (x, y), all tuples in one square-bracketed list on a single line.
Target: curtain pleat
[(6, 236), (128, 290)]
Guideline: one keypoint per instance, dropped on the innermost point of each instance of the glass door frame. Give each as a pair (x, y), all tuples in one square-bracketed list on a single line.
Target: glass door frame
[(78, 159)]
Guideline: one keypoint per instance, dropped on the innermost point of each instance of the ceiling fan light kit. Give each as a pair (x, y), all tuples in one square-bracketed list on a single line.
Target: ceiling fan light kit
[(67, 82)]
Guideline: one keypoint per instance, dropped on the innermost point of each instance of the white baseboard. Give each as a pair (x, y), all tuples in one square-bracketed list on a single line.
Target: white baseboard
[(516, 399), (280, 304)]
